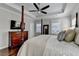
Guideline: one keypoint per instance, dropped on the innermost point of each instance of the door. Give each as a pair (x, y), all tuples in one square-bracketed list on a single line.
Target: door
[(45, 29)]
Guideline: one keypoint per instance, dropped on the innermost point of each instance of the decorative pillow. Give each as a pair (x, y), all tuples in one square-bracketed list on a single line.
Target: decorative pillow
[(61, 36), (77, 39), (70, 35)]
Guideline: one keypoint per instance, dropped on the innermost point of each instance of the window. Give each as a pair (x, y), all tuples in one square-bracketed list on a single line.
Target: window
[(56, 28), (38, 28), (73, 22)]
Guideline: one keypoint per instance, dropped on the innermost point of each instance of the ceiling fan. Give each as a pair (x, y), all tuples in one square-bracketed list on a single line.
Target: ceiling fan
[(38, 8)]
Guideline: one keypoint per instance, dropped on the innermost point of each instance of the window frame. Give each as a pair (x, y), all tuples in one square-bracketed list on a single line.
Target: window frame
[(36, 28)]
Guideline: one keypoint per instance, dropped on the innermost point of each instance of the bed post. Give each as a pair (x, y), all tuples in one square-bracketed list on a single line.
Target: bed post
[(41, 26), (22, 24), (76, 25)]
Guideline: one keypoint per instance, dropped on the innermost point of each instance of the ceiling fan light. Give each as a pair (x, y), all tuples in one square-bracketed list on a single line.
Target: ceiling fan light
[(39, 12)]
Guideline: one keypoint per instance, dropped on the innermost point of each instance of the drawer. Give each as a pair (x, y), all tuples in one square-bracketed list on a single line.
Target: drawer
[(15, 38)]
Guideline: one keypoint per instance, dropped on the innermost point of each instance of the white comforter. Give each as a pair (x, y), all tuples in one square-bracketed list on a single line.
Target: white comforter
[(48, 45)]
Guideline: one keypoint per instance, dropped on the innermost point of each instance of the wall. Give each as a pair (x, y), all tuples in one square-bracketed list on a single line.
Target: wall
[(31, 30), (5, 17), (64, 23), (73, 14)]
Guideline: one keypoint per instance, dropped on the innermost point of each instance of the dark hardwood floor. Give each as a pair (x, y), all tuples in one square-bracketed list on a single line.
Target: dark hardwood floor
[(9, 52)]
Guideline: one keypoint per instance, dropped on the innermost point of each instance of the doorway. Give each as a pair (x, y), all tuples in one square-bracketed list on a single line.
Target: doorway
[(45, 29)]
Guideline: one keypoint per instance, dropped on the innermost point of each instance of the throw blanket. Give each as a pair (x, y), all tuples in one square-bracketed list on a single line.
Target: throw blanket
[(48, 45)]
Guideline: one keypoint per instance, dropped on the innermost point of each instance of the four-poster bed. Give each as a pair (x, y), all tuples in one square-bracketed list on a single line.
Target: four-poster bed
[(49, 45), (22, 24), (76, 25)]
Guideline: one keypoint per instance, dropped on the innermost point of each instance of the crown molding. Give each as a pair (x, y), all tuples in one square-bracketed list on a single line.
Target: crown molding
[(10, 7)]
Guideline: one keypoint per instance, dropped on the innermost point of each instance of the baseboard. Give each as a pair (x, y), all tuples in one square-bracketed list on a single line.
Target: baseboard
[(3, 47)]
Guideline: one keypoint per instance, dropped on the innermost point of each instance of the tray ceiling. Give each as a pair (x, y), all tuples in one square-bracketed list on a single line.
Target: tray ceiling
[(54, 8)]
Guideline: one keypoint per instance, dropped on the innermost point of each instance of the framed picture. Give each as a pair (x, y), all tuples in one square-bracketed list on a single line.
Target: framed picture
[(14, 24)]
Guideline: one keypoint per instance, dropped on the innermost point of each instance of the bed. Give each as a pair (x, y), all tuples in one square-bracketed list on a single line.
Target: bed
[(48, 45)]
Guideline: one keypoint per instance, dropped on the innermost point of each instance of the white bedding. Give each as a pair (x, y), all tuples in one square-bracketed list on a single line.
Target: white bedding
[(56, 48), (48, 45), (34, 46)]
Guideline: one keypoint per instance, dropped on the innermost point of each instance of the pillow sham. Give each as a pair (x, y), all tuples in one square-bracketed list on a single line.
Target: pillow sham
[(70, 35), (61, 36)]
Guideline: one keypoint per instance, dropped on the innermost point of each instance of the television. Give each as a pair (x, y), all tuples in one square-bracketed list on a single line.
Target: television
[(13, 25)]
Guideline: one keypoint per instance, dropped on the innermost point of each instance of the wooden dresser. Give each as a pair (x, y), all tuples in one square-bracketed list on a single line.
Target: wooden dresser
[(15, 38)]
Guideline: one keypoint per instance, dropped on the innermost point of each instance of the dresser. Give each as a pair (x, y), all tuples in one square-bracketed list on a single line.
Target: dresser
[(16, 38)]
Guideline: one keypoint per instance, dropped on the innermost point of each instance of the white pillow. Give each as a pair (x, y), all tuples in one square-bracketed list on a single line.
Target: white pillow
[(77, 39)]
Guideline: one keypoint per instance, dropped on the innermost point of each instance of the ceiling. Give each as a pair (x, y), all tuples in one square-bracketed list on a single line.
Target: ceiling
[(54, 8), (54, 11)]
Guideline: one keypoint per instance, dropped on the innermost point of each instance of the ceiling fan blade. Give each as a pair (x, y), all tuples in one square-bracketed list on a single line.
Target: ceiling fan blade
[(44, 12), (36, 6), (33, 11), (45, 7)]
